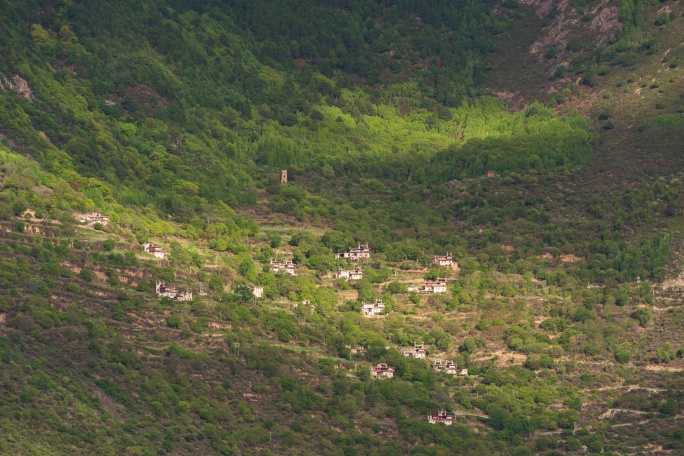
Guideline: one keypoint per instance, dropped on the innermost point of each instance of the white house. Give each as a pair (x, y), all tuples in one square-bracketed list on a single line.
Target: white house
[(445, 260), (356, 274), (356, 253), (417, 352), (441, 417), (257, 291), (353, 274), (92, 219), (448, 367), (167, 292), (305, 302), (436, 286), (288, 267), (156, 251), (373, 309), (381, 370), (184, 296)]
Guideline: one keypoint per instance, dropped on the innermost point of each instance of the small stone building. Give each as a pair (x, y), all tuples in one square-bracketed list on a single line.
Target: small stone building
[(417, 352), (356, 253), (92, 219), (381, 370), (156, 251), (445, 260), (257, 291), (168, 292), (434, 286), (373, 309), (441, 417), (448, 367)]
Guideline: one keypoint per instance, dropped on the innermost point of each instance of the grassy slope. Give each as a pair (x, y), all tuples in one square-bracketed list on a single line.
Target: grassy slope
[(632, 153)]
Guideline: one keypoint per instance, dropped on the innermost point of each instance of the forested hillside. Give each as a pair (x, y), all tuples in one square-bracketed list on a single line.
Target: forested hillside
[(535, 143), (174, 104)]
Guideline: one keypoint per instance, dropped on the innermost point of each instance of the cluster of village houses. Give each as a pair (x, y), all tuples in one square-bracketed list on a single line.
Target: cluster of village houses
[(168, 292), (417, 352), (161, 289), (383, 370), (93, 219), (361, 252), (289, 267), (438, 365), (350, 274), (439, 285)]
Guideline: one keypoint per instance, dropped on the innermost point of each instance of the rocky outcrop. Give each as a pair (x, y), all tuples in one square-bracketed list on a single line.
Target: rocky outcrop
[(16, 84), (566, 22)]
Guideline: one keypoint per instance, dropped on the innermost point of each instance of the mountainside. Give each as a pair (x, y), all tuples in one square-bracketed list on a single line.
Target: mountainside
[(511, 169)]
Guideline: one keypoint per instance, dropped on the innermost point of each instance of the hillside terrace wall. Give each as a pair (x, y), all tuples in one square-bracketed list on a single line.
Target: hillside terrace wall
[(29, 228)]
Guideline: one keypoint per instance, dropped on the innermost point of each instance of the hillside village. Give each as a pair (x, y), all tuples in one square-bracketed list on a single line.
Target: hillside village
[(348, 272), (173, 279), (342, 228), (374, 309), (191, 293)]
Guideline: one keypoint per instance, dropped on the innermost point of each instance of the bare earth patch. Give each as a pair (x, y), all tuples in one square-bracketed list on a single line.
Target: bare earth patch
[(674, 283), (659, 368), (612, 412), (604, 23), (570, 258)]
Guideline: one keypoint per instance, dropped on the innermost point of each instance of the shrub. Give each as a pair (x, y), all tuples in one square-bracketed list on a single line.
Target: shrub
[(396, 288), (608, 125), (96, 329), (469, 345), (642, 315), (86, 275), (623, 353), (112, 277), (275, 240), (173, 321)]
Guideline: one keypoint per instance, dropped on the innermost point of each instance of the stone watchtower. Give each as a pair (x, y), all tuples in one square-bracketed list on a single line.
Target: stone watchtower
[(283, 176)]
